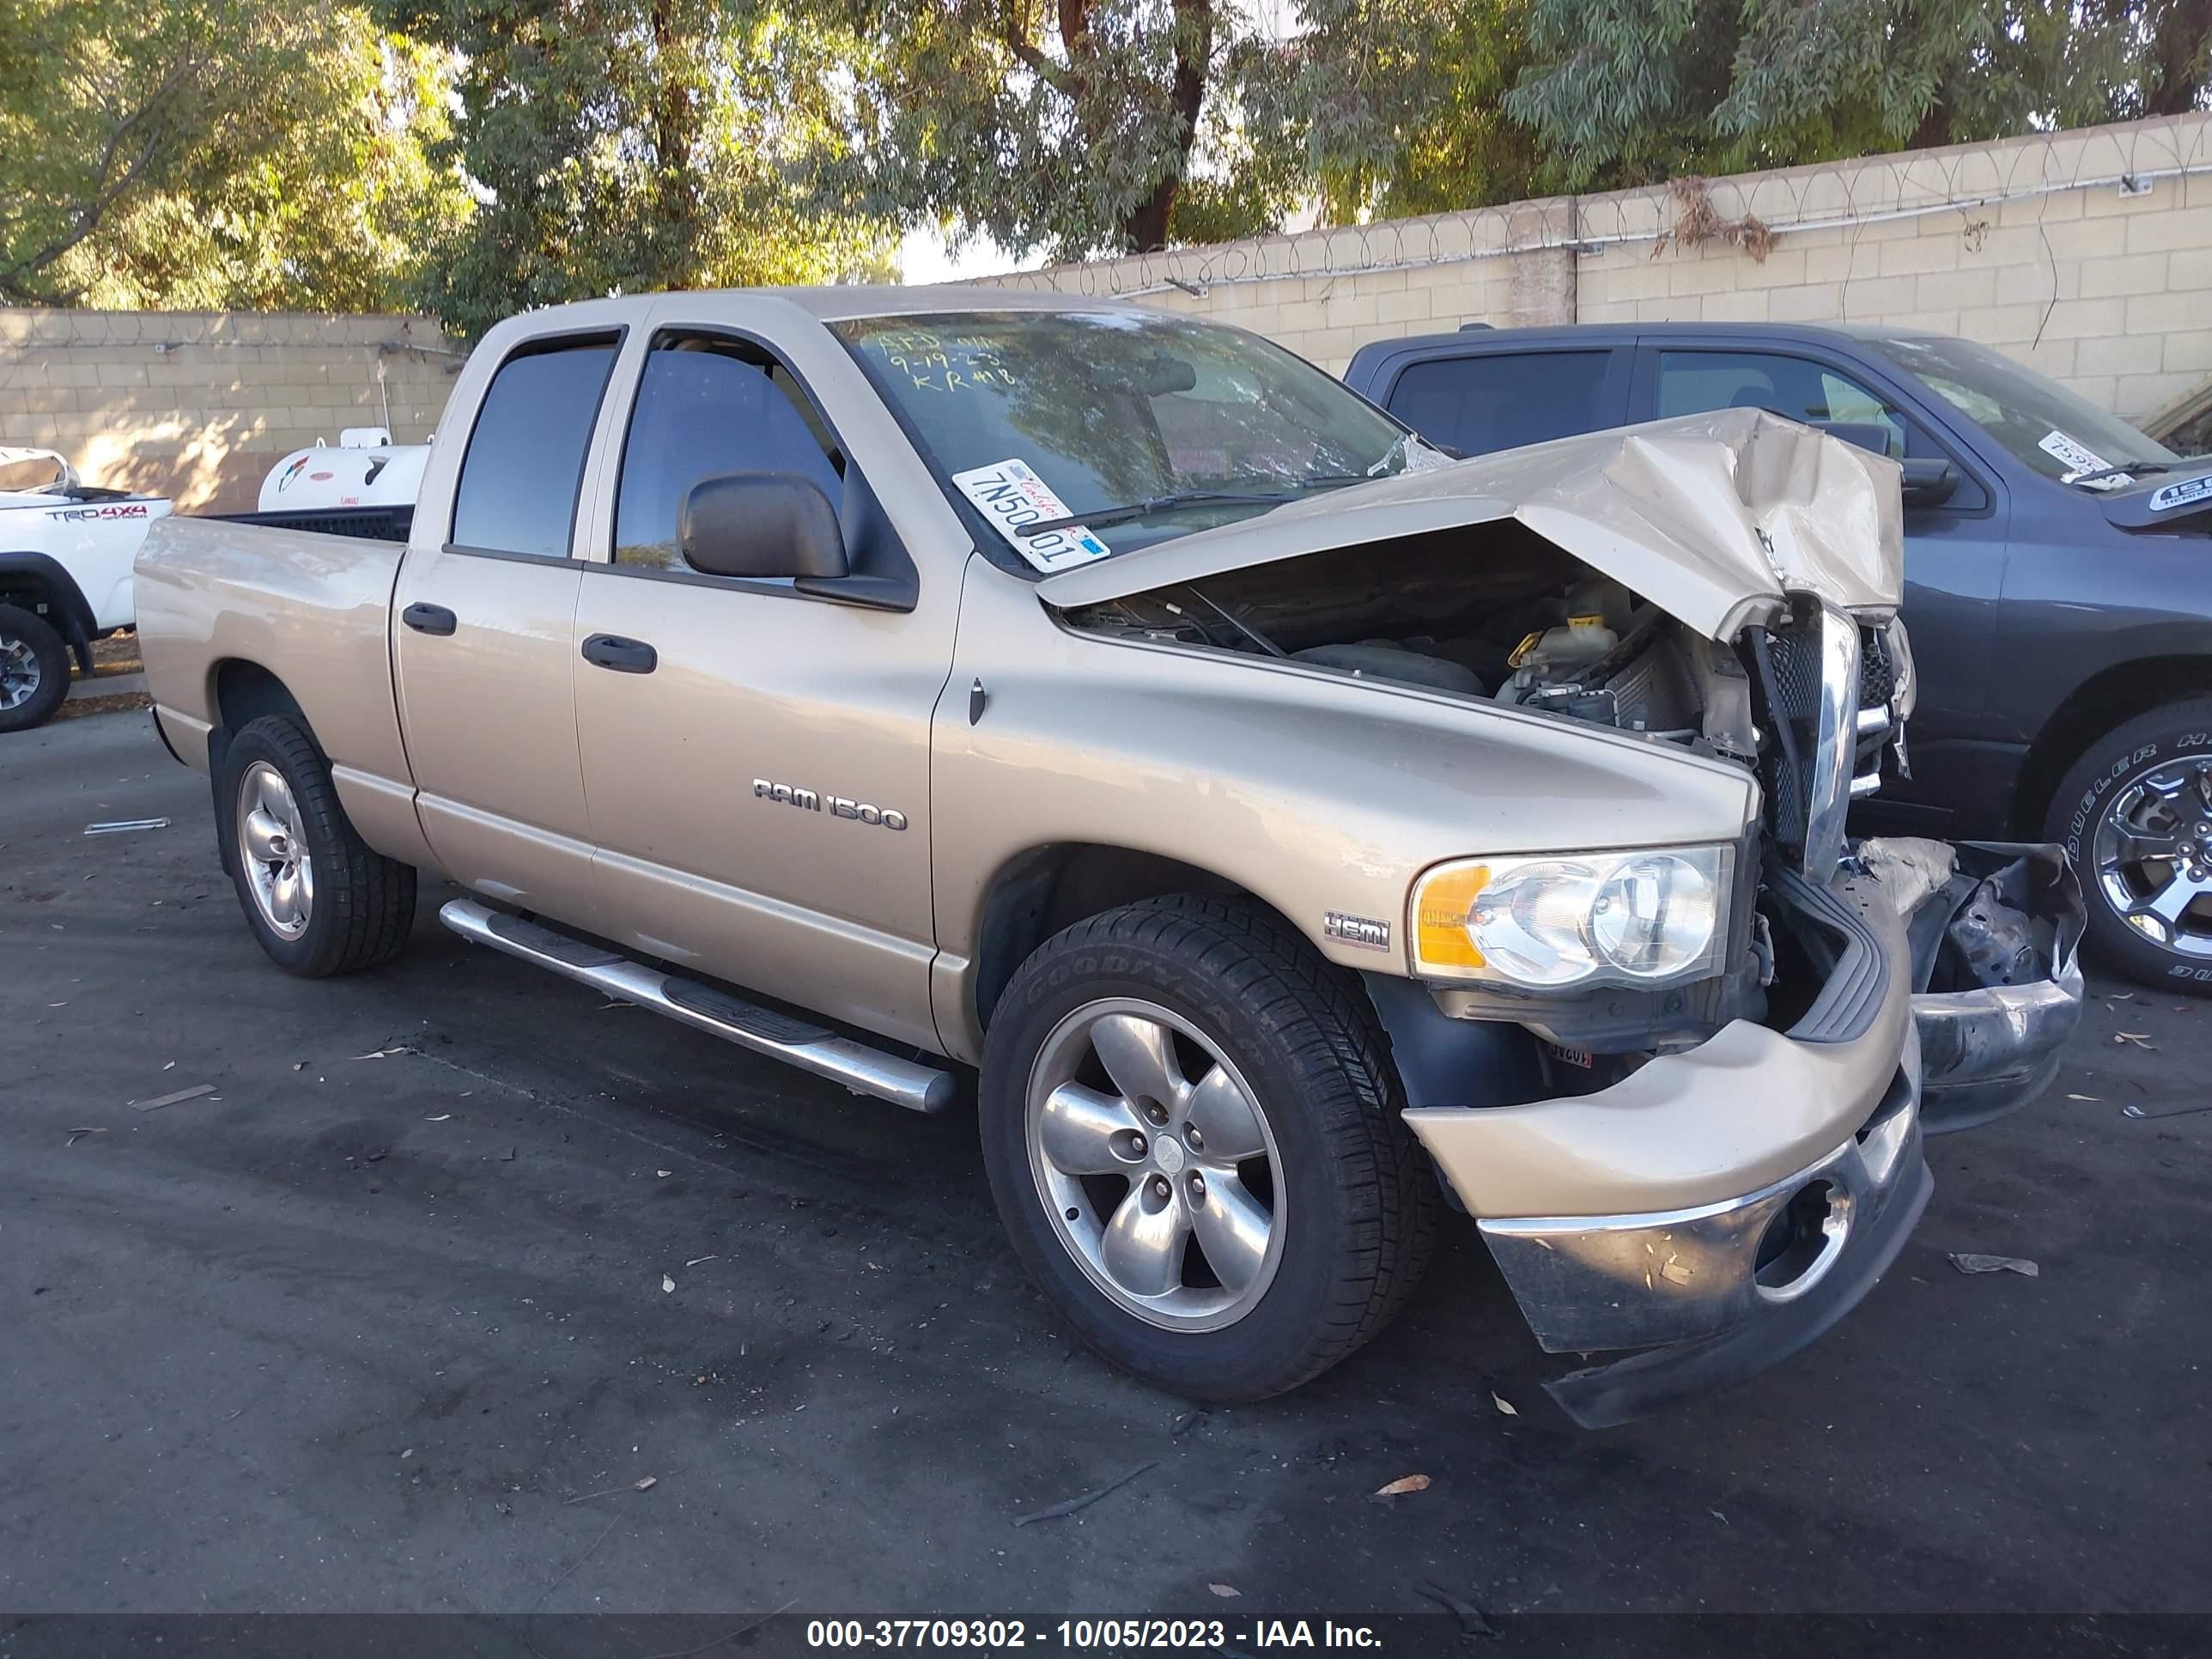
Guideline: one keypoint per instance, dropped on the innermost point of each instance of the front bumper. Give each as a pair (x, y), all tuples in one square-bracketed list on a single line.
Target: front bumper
[(1721, 1208), (1987, 1050)]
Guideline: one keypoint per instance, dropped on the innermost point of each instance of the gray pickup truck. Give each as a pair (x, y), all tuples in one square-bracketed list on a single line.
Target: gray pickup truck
[(1293, 832)]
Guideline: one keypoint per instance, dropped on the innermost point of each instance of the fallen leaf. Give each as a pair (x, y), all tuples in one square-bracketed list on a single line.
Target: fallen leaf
[(2121, 996), (2090, 1098), (442, 1117), (1503, 1404), (2141, 1039), (1224, 1590), (1402, 1485), (378, 1053), (663, 1174), (697, 1260), (649, 1483), (75, 1135), (171, 1066), (1968, 1262), (667, 1283)]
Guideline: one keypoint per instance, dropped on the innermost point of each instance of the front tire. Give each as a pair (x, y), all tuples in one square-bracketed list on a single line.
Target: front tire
[(1192, 1134), (35, 669), (2134, 814), (318, 899)]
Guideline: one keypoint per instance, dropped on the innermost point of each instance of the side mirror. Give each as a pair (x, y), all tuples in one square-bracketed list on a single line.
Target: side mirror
[(760, 524), (1929, 482)]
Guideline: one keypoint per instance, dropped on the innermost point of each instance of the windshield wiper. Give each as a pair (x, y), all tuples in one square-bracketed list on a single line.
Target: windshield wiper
[(1152, 507), (2124, 466)]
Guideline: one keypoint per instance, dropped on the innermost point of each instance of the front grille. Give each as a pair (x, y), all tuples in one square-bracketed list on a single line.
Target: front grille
[(1812, 689), (1877, 673)]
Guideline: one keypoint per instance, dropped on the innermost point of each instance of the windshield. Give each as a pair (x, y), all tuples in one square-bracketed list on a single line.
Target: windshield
[(1074, 412), (2059, 434)]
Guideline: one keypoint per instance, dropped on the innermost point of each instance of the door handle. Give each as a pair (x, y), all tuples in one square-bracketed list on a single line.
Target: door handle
[(429, 619), (624, 656)]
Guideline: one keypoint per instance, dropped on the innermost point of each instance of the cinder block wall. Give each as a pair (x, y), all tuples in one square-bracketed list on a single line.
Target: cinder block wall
[(2087, 254), (198, 406)]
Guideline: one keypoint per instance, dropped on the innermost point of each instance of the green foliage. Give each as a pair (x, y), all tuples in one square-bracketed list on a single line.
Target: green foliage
[(1389, 108), (1624, 92), (213, 153), (626, 145), (1066, 127)]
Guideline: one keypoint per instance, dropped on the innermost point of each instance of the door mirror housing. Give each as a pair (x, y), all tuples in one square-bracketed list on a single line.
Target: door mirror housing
[(1929, 482), (762, 524)]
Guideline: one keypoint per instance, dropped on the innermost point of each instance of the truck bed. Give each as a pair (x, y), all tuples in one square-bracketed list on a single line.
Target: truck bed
[(309, 608)]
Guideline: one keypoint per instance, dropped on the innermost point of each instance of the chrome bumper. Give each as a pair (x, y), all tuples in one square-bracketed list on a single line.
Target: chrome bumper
[(1715, 1291), (1637, 1281), (1987, 1051)]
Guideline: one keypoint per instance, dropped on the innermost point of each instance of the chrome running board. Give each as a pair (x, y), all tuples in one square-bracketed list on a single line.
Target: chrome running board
[(863, 1070)]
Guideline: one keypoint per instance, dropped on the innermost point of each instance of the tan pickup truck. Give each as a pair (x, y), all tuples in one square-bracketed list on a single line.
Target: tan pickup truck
[(1291, 831)]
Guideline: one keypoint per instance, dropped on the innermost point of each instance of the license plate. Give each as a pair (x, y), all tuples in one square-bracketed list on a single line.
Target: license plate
[(1581, 1057)]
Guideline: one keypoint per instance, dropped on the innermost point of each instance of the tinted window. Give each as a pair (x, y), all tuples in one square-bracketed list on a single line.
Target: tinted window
[(526, 458), (1502, 402), (1691, 382), (704, 407)]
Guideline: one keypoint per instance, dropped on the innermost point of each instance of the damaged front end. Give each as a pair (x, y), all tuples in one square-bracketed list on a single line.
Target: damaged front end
[(1708, 1171)]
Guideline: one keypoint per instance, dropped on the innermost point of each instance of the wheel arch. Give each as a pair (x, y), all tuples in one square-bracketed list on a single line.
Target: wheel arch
[(2107, 699), (1037, 893), (239, 692), (40, 578)]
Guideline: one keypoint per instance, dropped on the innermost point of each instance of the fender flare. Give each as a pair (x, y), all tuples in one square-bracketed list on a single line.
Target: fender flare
[(63, 594)]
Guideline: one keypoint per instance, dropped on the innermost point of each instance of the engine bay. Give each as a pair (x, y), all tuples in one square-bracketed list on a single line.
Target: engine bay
[(1502, 615)]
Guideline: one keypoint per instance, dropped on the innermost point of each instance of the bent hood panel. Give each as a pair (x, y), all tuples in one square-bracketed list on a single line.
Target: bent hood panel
[(1701, 514)]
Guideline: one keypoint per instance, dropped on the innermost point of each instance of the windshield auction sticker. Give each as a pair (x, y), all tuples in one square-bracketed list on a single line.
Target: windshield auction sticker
[(2079, 458), (1010, 495)]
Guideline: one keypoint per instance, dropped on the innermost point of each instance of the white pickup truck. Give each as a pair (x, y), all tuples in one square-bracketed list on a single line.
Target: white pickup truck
[(66, 549)]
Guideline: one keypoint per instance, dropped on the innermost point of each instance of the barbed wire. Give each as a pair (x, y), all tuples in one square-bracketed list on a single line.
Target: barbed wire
[(27, 328), (1909, 184)]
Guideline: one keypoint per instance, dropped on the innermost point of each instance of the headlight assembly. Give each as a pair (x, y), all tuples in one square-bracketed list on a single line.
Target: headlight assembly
[(1557, 921)]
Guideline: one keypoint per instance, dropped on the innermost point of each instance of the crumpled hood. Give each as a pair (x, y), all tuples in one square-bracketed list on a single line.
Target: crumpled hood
[(1711, 517)]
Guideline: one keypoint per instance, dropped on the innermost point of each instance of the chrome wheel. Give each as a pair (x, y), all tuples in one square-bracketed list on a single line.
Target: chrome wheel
[(21, 673), (274, 850), (2153, 854), (1156, 1163)]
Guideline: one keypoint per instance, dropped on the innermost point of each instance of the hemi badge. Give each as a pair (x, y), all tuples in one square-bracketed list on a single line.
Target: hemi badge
[(1364, 931)]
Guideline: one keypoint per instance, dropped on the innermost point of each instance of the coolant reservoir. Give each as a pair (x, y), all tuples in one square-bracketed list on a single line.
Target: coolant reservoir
[(1581, 642)]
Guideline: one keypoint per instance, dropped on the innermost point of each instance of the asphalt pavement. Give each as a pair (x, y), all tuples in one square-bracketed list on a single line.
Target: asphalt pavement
[(457, 1291)]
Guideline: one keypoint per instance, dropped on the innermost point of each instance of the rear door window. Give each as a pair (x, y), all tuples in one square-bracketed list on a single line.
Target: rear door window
[(525, 465), (1501, 400)]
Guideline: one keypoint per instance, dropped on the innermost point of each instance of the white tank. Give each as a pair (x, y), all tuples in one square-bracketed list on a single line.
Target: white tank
[(365, 468)]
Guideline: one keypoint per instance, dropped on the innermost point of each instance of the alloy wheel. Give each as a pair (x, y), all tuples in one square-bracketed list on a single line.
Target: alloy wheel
[(21, 673), (1156, 1163), (2153, 854), (270, 844)]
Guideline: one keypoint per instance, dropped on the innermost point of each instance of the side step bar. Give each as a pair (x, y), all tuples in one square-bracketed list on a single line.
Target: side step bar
[(863, 1070)]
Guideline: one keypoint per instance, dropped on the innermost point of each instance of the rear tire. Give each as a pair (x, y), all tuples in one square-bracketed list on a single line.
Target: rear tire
[(2143, 790), (1306, 1181), (319, 901), (35, 669)]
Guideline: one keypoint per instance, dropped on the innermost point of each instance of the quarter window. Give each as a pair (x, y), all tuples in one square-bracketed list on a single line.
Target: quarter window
[(525, 458), (709, 407)]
